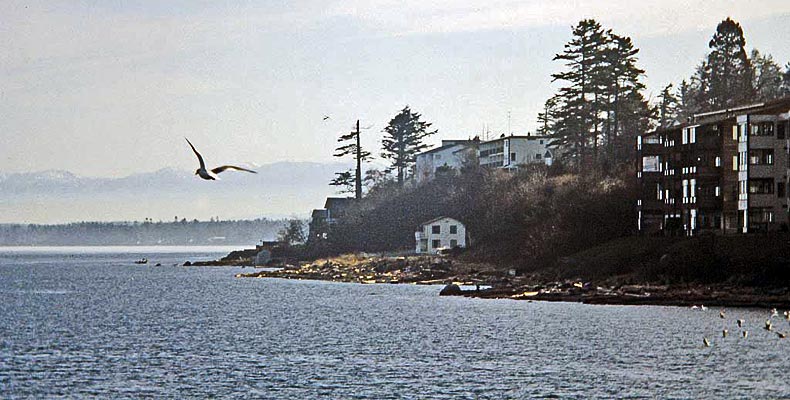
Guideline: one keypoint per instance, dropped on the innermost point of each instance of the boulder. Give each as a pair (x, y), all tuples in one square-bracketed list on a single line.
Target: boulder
[(451, 290)]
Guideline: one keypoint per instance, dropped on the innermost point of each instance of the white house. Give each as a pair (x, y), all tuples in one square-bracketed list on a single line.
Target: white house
[(440, 233), (511, 151), (451, 154)]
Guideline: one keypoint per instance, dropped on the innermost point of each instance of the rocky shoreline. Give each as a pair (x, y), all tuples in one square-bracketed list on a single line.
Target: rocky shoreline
[(493, 283), (426, 270), (665, 295)]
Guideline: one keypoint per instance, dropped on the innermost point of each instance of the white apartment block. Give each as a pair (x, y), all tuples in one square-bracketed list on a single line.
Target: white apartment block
[(509, 152)]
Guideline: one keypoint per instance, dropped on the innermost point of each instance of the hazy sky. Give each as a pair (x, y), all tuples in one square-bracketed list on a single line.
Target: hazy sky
[(107, 88)]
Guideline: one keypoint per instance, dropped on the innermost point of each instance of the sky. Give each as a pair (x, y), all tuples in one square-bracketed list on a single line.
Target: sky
[(110, 88)]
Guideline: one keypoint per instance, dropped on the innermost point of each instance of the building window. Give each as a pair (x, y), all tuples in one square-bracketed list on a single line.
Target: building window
[(454, 229), (453, 243), (436, 229), (734, 163), (541, 142), (781, 128), (495, 150), (780, 190), (760, 218), (763, 129), (438, 156), (761, 186), (761, 157), (651, 164), (718, 161), (435, 244), (537, 156), (512, 156)]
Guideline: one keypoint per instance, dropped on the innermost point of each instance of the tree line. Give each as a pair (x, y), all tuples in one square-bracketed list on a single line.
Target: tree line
[(181, 232), (727, 77), (601, 106)]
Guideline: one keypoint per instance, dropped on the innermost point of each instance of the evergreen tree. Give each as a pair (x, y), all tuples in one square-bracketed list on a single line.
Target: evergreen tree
[(667, 107), (600, 101), (693, 93), (767, 77), (348, 181), (786, 81), (579, 101), (546, 118), (345, 181), (403, 140), (728, 72), (627, 108)]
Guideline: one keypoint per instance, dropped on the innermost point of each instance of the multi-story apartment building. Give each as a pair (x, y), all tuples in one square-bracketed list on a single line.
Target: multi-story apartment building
[(511, 151), (724, 171), (506, 152), (451, 154)]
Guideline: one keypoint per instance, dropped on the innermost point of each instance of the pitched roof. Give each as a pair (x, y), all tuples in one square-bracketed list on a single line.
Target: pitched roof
[(336, 203), (438, 218)]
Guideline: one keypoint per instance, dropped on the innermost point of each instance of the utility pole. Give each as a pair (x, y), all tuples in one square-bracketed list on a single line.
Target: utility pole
[(359, 167)]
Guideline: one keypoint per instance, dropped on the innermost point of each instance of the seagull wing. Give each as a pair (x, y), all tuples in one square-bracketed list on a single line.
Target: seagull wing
[(224, 167), (200, 158)]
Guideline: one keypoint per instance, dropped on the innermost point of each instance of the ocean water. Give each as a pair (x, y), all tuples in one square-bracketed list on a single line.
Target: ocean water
[(87, 322)]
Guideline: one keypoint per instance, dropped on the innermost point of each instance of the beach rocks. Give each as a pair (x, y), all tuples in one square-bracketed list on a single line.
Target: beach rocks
[(451, 290)]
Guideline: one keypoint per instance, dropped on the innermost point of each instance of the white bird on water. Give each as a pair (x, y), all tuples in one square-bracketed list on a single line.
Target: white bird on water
[(212, 174)]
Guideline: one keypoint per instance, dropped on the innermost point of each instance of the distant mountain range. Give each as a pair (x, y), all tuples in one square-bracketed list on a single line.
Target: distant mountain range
[(278, 190)]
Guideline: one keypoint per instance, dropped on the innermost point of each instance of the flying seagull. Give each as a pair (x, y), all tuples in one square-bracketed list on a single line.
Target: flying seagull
[(326, 117), (212, 175)]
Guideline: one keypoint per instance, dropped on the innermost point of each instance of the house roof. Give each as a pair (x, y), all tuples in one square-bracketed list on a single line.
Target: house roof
[(447, 146), (528, 137), (438, 218), (337, 203)]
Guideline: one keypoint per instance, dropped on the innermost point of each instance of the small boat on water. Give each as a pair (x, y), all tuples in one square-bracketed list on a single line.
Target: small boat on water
[(142, 261)]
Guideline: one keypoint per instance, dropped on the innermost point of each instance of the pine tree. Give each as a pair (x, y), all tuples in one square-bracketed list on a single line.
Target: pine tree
[(601, 98), (668, 105), (345, 181), (728, 72), (580, 100), (786, 81), (348, 181), (403, 140), (546, 118), (626, 107), (767, 77)]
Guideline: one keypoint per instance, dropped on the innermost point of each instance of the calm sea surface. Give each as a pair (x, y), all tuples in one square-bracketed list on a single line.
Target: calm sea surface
[(88, 322)]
